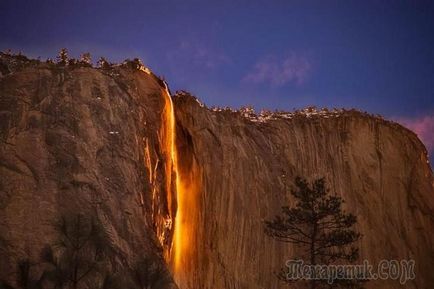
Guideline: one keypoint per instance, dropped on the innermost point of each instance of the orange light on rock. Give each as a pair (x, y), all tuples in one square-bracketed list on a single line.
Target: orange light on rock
[(187, 184)]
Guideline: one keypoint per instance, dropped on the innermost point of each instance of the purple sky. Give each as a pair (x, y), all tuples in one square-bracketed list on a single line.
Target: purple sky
[(372, 55)]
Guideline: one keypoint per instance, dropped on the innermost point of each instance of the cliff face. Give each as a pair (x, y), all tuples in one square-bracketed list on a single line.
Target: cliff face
[(82, 140), (246, 166), (103, 142)]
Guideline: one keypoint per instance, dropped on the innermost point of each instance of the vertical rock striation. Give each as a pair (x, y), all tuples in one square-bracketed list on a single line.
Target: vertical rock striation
[(379, 168), (82, 140), (180, 181)]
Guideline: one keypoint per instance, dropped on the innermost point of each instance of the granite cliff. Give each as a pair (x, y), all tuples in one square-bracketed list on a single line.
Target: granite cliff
[(82, 140), (245, 164), (191, 186)]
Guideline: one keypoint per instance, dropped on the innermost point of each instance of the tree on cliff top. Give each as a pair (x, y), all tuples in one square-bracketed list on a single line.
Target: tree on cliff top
[(103, 63), (135, 64), (318, 225), (62, 57), (86, 59)]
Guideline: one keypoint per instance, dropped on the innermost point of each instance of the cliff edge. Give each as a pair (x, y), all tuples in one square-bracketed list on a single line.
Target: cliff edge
[(190, 187)]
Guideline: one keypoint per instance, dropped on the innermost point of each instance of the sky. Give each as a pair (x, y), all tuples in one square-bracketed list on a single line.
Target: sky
[(376, 56)]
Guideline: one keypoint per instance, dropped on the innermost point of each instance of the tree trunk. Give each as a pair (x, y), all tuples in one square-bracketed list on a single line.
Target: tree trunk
[(312, 253)]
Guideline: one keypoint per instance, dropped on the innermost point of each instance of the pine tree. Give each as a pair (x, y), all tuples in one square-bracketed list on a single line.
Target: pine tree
[(103, 63), (78, 253), (317, 225), (62, 57), (136, 63), (86, 59)]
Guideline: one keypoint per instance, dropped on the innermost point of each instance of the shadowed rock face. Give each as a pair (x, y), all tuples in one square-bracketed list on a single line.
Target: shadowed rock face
[(95, 141), (379, 168), (80, 140)]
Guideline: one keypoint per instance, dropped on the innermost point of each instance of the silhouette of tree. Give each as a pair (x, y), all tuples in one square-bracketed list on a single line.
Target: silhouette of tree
[(318, 225), (77, 254), (62, 57), (86, 59), (136, 63), (103, 63), (78, 259), (72, 62)]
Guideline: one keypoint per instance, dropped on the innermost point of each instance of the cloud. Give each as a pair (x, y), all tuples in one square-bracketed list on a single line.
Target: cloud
[(423, 126), (293, 68)]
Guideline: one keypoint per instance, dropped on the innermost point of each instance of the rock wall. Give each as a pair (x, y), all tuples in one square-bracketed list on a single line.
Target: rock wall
[(100, 141), (246, 166), (83, 140)]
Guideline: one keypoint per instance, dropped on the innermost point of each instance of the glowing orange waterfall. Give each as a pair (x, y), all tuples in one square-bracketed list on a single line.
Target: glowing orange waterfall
[(182, 258), (177, 224), (170, 149)]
